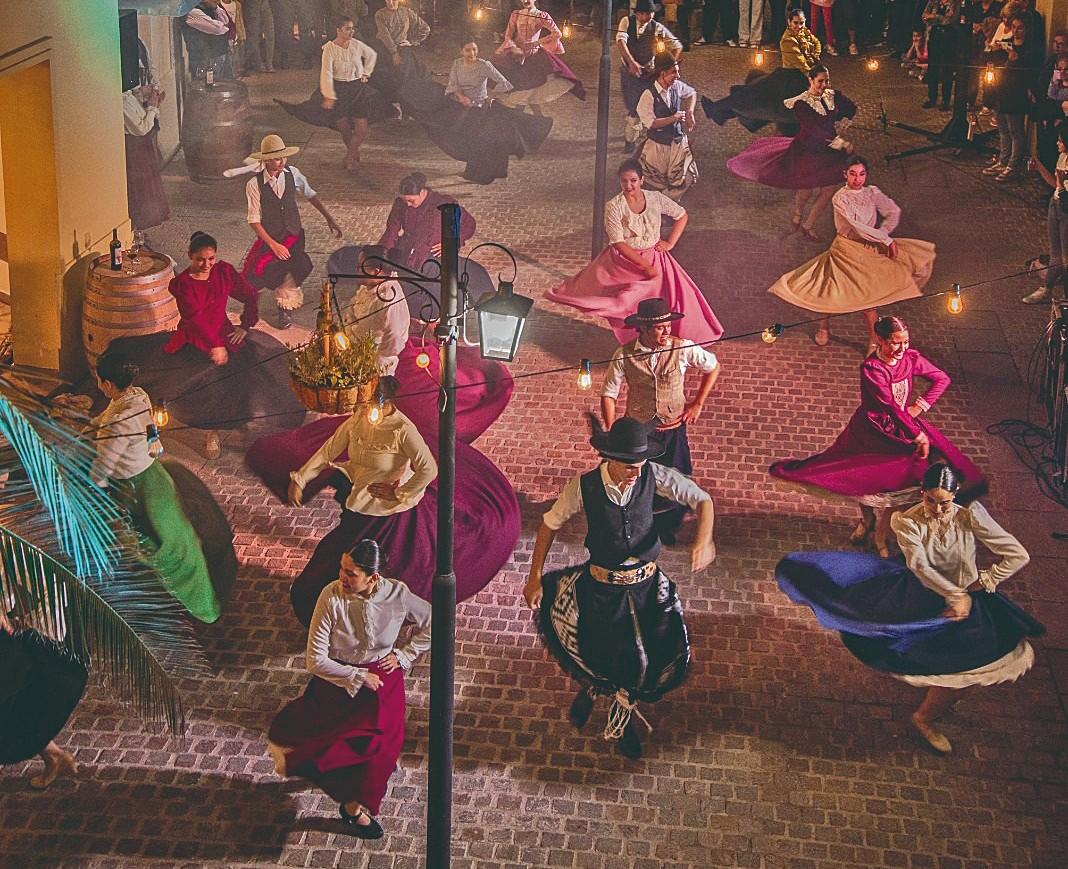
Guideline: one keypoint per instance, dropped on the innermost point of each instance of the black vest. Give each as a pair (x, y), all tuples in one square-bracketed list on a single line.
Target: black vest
[(641, 48), (279, 217), (204, 47), (665, 109), (617, 533)]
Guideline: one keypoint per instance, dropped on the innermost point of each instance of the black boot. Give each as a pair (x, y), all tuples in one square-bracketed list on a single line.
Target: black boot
[(629, 744), (581, 707)]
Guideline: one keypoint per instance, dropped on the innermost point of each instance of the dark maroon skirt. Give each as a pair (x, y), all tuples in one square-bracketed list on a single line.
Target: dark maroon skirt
[(347, 746), (144, 183)]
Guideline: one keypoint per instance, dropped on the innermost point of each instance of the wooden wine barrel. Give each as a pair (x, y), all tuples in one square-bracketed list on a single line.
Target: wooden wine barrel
[(134, 301), (216, 128)]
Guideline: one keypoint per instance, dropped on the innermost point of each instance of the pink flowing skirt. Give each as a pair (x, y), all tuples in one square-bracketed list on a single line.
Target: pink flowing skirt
[(611, 287), (778, 161)]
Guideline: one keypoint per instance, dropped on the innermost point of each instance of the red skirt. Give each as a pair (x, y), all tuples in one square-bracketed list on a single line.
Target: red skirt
[(347, 746)]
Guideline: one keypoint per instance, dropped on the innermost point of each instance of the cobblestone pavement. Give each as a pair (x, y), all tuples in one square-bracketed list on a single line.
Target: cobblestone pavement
[(781, 750)]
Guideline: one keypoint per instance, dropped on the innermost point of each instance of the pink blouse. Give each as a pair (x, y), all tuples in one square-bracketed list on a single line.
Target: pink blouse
[(885, 391), (523, 29)]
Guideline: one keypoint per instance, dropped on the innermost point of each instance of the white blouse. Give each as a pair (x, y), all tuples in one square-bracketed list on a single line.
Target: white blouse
[(348, 632), (391, 450), (867, 214), (941, 552), (344, 64), (122, 439), (382, 312), (640, 231)]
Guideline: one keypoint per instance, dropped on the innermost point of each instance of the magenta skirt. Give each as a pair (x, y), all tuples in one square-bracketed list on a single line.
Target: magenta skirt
[(347, 746), (484, 388), (611, 287), (486, 529), (778, 161)]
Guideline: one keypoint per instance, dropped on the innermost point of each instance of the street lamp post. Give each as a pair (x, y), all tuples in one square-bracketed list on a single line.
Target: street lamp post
[(502, 316), (600, 165)]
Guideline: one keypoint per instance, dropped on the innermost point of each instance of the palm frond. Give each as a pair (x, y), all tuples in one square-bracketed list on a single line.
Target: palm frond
[(41, 593)]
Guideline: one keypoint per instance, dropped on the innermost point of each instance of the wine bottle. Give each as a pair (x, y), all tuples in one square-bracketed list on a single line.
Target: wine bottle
[(116, 251)]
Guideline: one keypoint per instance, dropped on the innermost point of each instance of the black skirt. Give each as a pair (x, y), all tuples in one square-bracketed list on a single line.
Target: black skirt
[(355, 99), (40, 686), (759, 101), (612, 637)]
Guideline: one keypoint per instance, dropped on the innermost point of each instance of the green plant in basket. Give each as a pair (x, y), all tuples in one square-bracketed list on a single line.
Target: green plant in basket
[(354, 366)]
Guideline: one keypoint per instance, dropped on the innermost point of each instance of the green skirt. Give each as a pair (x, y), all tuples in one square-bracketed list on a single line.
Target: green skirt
[(177, 555)]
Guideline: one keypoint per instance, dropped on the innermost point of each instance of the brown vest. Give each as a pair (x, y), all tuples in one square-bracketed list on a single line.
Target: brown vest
[(661, 396)]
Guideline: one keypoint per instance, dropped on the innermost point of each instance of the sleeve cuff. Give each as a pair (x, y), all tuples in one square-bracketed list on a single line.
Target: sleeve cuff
[(405, 659), (837, 143), (987, 581), (922, 403), (358, 674)]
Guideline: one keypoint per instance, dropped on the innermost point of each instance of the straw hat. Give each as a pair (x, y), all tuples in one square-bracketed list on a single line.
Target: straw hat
[(271, 148)]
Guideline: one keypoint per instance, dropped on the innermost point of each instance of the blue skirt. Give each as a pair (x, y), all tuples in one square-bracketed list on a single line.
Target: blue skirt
[(893, 623)]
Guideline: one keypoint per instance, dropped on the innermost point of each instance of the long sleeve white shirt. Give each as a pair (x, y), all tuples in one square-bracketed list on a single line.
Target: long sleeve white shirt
[(382, 312), (122, 440), (137, 120), (941, 553), (215, 25), (349, 632), (278, 186), (647, 115), (670, 484), (356, 61), (867, 214), (383, 453), (689, 356)]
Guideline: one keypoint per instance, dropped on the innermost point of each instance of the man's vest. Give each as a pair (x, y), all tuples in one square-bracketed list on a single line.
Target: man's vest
[(660, 395), (617, 533), (279, 217)]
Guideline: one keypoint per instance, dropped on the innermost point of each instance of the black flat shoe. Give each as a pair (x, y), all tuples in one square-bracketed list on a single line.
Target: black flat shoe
[(629, 744), (581, 707), (373, 830)]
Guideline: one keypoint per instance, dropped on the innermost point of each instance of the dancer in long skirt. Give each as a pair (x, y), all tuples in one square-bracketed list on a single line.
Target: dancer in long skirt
[(864, 266), (143, 485), (346, 732), (760, 100), (529, 57), (811, 162), (638, 40), (637, 264), (888, 444), (615, 622), (941, 624), (666, 112)]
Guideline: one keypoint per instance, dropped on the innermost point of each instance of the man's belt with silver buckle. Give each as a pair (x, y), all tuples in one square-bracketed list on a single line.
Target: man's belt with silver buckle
[(631, 576)]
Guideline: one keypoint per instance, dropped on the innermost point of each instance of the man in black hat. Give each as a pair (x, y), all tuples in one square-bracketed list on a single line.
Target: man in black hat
[(638, 40), (666, 113), (654, 368), (615, 622)]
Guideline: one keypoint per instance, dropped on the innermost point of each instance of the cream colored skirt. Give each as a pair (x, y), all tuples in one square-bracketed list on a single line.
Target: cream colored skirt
[(853, 276), (1007, 668)]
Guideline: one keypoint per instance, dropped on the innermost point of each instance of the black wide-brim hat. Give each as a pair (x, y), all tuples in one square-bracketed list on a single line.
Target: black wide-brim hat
[(628, 441), (646, 6), (650, 312)]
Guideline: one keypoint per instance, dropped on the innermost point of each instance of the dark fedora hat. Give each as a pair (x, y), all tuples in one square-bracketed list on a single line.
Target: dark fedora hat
[(646, 6), (627, 441), (651, 311)]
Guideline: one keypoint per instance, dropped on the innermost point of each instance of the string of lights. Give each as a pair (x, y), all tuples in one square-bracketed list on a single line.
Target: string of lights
[(769, 334)]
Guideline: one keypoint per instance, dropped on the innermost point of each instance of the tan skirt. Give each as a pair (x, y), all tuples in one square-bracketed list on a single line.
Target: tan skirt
[(668, 168), (853, 276)]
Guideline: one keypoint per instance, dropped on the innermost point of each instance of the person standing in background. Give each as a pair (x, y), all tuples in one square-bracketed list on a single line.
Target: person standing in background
[(750, 23), (208, 31), (145, 195), (259, 33)]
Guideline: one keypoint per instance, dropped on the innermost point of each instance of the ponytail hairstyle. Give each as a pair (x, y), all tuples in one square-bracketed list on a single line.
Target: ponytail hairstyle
[(116, 369), (887, 326), (366, 555), (200, 240), (940, 476), (413, 184)]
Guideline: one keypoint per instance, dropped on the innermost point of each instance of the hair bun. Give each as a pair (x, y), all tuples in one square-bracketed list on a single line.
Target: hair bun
[(366, 555)]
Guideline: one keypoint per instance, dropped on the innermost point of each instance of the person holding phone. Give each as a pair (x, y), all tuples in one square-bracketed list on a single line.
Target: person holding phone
[(1056, 219)]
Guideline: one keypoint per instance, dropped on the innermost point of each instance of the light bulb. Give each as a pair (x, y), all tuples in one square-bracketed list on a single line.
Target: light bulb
[(566, 30), (422, 360), (660, 46), (478, 13), (955, 304), (374, 415), (341, 340), (585, 379), (758, 58), (990, 75), (872, 64), (769, 335), (160, 415)]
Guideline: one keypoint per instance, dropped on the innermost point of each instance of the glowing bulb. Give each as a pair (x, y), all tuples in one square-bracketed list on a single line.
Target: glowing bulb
[(758, 58), (585, 379), (660, 46), (872, 64), (341, 340), (160, 415), (423, 360), (478, 13), (955, 304), (374, 415), (989, 75), (769, 335), (566, 30)]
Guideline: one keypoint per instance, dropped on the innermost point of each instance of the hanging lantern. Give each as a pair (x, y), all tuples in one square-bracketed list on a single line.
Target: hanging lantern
[(566, 30), (501, 318), (771, 334), (478, 13), (955, 304), (585, 379)]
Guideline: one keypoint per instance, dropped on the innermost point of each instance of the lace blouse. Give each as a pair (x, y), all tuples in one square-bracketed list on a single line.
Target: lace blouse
[(640, 231), (357, 61), (867, 214)]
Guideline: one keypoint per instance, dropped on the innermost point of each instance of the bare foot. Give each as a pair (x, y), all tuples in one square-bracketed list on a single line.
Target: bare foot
[(57, 762)]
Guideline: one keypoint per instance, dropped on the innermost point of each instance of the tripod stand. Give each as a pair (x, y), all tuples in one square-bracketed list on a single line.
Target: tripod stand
[(961, 133)]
